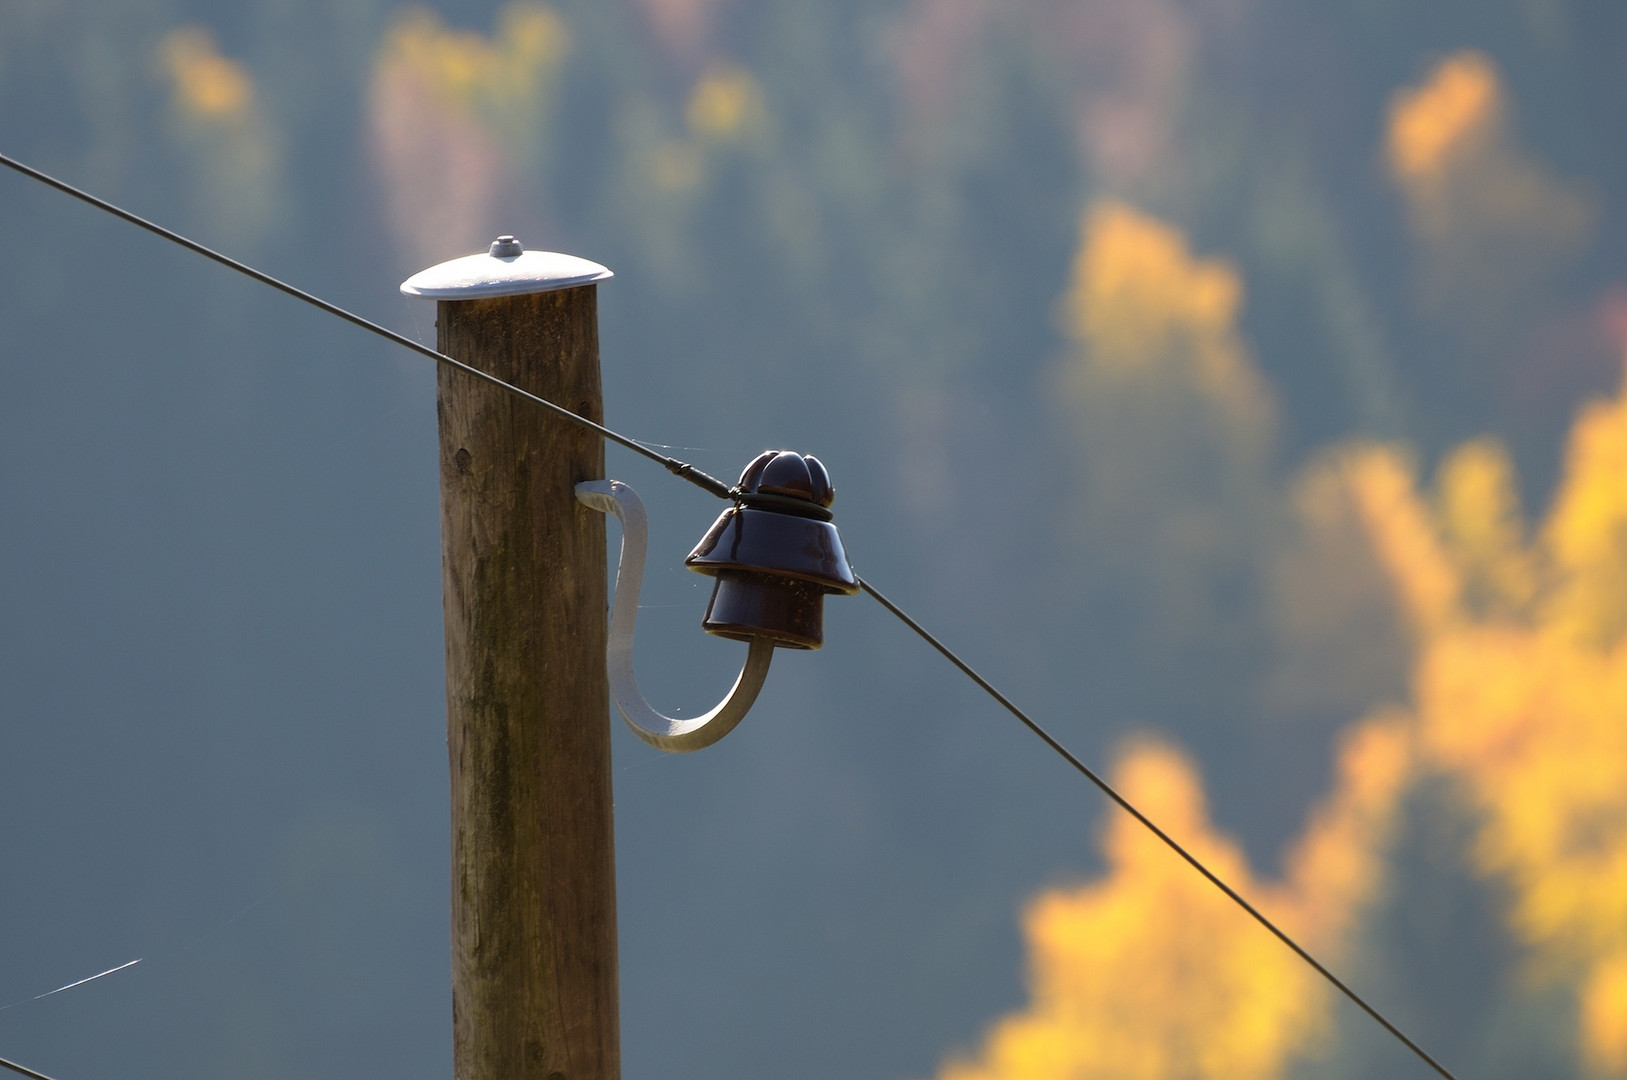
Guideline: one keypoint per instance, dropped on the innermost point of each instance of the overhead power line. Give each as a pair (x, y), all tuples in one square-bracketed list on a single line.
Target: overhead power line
[(22, 1070), (717, 487), (1174, 845), (673, 465)]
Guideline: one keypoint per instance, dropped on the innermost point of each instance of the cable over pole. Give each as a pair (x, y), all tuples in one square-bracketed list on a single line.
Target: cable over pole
[(681, 469)]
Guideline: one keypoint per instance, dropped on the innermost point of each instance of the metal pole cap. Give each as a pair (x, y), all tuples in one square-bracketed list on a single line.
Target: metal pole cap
[(507, 269)]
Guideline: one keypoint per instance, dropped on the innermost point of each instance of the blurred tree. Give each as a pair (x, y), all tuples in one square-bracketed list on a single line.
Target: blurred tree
[(236, 151), (1153, 974), (460, 125)]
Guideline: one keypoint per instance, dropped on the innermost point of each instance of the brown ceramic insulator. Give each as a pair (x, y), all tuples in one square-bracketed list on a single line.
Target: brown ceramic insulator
[(776, 555)]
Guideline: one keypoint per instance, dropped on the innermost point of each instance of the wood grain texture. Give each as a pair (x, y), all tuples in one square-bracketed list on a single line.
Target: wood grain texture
[(534, 993)]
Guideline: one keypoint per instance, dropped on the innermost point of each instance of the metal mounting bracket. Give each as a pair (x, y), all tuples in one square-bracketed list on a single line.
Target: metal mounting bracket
[(660, 731)]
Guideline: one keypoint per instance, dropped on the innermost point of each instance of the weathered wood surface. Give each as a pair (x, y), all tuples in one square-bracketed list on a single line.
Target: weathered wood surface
[(534, 993)]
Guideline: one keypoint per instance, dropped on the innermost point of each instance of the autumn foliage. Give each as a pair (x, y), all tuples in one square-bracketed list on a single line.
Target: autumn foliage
[(1516, 632)]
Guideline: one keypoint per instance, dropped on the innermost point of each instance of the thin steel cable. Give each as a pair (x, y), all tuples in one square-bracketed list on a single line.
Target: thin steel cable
[(677, 468), (70, 986), (22, 1070), (717, 487), (1125, 804)]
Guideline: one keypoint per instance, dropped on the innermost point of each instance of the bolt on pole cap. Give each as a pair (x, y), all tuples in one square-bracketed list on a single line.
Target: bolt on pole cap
[(506, 270)]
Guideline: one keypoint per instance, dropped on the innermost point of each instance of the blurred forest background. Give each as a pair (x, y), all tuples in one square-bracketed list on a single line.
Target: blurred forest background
[(1236, 382)]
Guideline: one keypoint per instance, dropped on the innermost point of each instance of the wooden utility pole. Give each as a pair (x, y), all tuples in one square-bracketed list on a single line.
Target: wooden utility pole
[(534, 991)]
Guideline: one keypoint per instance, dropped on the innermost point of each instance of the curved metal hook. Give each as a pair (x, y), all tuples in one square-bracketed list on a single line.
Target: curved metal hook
[(660, 731)]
